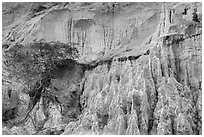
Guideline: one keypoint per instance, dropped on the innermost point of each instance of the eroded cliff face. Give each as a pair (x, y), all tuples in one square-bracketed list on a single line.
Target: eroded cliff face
[(95, 28), (147, 81)]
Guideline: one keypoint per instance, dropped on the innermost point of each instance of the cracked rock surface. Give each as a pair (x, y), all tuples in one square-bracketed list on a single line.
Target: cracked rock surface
[(139, 70)]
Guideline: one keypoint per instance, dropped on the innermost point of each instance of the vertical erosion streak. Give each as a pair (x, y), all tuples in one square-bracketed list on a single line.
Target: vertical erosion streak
[(111, 35), (69, 30), (152, 117), (84, 35), (104, 38), (66, 32)]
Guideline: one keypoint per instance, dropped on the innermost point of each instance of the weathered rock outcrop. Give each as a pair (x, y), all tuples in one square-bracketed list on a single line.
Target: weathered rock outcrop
[(95, 28), (146, 81)]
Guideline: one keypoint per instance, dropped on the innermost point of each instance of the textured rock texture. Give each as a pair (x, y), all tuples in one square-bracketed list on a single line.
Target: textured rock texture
[(139, 70)]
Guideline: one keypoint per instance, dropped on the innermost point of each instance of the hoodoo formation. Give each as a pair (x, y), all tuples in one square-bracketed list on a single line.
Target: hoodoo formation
[(102, 68)]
